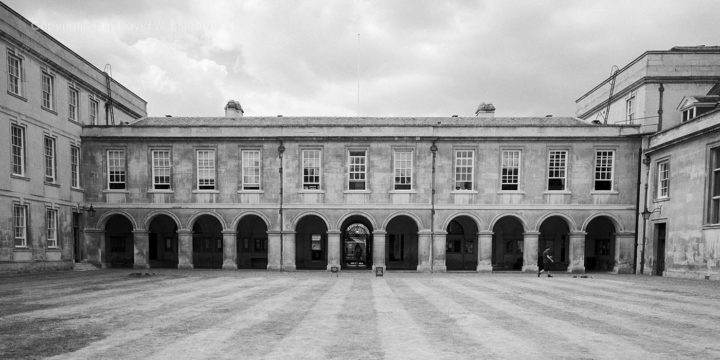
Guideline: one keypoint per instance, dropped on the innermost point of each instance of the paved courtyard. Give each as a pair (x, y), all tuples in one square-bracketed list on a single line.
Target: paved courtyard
[(110, 314)]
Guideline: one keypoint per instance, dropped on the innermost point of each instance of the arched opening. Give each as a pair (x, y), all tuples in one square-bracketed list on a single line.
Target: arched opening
[(207, 243), (401, 247), (356, 235), (507, 251), (600, 245), (461, 244), (163, 242), (311, 244), (252, 243), (119, 242), (554, 234)]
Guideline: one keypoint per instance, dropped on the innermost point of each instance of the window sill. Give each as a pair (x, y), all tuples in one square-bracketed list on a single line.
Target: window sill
[(53, 184), (411, 191), (356, 192), (54, 249), (74, 188), (115, 191), (20, 177), (604, 192), (205, 191), (75, 122), (659, 200), (251, 191), (511, 192), (17, 96), (49, 110), (304, 191), (458, 192), (557, 192), (22, 249), (711, 226), (161, 191)]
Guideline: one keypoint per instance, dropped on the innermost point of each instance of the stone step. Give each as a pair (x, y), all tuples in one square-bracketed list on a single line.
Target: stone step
[(82, 266)]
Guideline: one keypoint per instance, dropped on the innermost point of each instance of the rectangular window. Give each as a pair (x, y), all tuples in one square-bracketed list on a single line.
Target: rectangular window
[(715, 186), (50, 160), (48, 91), (116, 169), (663, 180), (73, 105), (18, 149), (51, 224), (510, 170), (357, 170), (93, 113), (604, 162), (557, 170), (20, 225), (688, 114), (15, 74), (311, 167), (464, 169), (161, 169), (251, 169), (403, 164), (75, 166), (630, 109), (205, 169)]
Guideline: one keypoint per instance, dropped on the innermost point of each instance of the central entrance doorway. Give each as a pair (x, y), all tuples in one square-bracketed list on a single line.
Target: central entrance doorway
[(356, 244)]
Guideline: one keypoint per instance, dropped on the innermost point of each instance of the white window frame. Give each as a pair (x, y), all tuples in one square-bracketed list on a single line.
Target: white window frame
[(75, 166), (251, 169), (73, 104), (51, 227), (689, 114), (714, 191), (557, 166), (16, 76), (116, 169), (205, 170), (357, 170), (20, 227), (93, 110), (311, 162), (403, 169), (17, 149), (663, 180), (510, 164), (50, 151), (630, 108), (47, 86), (604, 169), (161, 163), (464, 169)]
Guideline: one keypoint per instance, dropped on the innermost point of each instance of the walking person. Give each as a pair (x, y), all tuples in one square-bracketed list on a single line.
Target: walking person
[(546, 261)]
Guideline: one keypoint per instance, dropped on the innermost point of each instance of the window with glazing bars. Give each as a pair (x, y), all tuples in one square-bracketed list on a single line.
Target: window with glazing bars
[(357, 168), (557, 170), (464, 169), (50, 160), (663, 179), (510, 171), (15, 74), (73, 105), (161, 170), (116, 169), (251, 169), (715, 186), (20, 225), (205, 169), (93, 113), (18, 149), (51, 226), (311, 167), (403, 169), (48, 91), (604, 163), (75, 166)]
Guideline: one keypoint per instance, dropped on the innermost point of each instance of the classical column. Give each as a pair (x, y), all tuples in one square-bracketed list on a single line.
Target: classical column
[(94, 243), (424, 243), (140, 241), (577, 252), (530, 251), (485, 251), (273, 250), (229, 250), (624, 253), (439, 251), (333, 249), (185, 249), (379, 237), (289, 251)]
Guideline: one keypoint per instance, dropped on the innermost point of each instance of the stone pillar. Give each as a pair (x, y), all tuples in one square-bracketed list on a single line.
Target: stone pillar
[(229, 250), (624, 253), (577, 252), (94, 243), (289, 251), (485, 241), (185, 249), (273, 250), (378, 255), (530, 251), (334, 249), (140, 241), (439, 251), (424, 243)]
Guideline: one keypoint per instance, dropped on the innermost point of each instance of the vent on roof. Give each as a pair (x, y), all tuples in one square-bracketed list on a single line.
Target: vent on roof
[(233, 109), (485, 110)]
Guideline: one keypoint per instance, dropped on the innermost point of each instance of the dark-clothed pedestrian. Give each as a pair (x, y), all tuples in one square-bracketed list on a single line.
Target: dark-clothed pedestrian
[(546, 261)]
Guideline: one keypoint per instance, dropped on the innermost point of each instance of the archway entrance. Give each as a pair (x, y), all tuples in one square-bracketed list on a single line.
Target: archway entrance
[(207, 243), (119, 242), (461, 244), (163, 242), (600, 245), (252, 243), (401, 247), (311, 244), (357, 243), (507, 251), (554, 233)]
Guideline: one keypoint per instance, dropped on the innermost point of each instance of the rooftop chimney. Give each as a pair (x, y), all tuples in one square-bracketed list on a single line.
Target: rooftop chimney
[(485, 110), (233, 109)]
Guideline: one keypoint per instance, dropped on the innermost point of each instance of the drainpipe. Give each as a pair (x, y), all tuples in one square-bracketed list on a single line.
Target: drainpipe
[(637, 208), (661, 90), (281, 150), (434, 149), (646, 161)]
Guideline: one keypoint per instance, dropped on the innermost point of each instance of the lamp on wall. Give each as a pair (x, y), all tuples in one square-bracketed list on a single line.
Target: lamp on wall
[(89, 210), (646, 216), (647, 213)]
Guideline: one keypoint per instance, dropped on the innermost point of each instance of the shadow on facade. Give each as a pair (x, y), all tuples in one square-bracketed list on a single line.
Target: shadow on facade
[(119, 242)]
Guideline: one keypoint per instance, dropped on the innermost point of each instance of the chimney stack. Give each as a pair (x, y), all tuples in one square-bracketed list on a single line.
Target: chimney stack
[(233, 109), (485, 110)]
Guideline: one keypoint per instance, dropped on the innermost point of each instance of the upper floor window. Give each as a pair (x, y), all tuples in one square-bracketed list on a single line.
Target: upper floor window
[(403, 164), (51, 222), (18, 149), (630, 109), (557, 170), (464, 165), (161, 169), (48, 91), (251, 169), (75, 166), (73, 104), (604, 162), (20, 225), (93, 111), (311, 169), (688, 114), (50, 164), (663, 179), (357, 170), (510, 170), (714, 212), (15, 74), (205, 169), (116, 169)]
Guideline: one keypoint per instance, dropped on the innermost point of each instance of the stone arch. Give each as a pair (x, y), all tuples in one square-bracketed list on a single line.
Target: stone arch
[(613, 219), (239, 218), (367, 216), (102, 221), (411, 215), (518, 217), (153, 214), (296, 220), (217, 217), (451, 217), (572, 226)]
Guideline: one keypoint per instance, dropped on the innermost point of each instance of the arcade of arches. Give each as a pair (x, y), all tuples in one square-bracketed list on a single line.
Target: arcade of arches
[(357, 245)]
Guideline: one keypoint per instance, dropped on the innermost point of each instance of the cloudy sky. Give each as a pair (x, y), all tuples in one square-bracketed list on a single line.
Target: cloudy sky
[(415, 58)]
